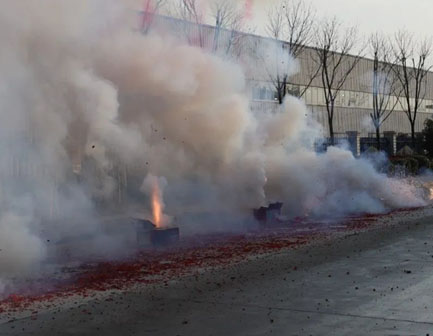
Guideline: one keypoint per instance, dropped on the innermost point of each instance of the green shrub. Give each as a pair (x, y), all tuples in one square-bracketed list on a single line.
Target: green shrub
[(371, 150), (398, 161), (423, 161), (427, 135), (412, 165), (391, 169)]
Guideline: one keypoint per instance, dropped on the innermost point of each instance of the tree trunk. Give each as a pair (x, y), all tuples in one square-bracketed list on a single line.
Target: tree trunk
[(412, 133), (280, 96), (378, 138), (282, 90), (330, 109), (216, 39), (280, 93), (331, 130)]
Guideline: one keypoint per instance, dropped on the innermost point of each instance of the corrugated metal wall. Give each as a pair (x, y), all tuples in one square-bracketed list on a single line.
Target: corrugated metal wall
[(248, 51), (351, 119)]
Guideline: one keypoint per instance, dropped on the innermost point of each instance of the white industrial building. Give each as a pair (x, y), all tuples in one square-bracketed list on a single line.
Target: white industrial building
[(355, 100)]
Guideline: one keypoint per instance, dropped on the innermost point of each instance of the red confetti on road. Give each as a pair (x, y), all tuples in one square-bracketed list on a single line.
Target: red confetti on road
[(161, 266)]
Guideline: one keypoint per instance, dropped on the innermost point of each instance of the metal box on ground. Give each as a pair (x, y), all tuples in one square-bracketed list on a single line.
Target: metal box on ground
[(164, 236), (144, 232), (268, 215)]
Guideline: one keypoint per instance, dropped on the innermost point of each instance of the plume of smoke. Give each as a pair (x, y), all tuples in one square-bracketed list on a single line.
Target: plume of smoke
[(331, 184), (83, 95)]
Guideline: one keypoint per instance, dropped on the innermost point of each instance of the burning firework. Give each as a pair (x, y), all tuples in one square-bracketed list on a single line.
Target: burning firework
[(163, 234), (218, 157), (157, 204), (153, 187), (428, 186)]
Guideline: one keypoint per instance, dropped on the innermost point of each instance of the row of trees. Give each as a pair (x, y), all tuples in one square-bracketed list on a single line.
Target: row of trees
[(225, 15), (399, 64), (398, 71)]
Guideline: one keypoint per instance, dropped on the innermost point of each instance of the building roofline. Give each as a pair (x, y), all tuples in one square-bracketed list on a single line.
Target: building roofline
[(261, 37)]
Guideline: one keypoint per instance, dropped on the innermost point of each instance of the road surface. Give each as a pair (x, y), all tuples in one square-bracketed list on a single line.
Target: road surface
[(373, 283)]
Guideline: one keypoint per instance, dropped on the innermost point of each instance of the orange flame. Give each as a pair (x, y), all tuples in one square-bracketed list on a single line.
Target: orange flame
[(156, 205)]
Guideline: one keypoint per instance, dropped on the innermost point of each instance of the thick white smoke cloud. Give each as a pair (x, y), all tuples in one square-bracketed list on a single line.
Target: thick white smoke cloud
[(88, 105)]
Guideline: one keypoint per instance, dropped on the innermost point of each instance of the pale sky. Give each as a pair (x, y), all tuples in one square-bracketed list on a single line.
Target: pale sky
[(370, 16)]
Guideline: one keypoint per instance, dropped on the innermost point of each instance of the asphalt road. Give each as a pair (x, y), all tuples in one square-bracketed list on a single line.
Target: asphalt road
[(374, 283)]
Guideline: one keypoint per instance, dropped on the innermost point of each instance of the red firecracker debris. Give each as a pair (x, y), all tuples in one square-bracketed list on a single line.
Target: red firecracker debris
[(160, 266)]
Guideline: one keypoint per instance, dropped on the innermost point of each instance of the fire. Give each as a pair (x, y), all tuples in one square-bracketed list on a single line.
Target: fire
[(156, 205), (428, 186)]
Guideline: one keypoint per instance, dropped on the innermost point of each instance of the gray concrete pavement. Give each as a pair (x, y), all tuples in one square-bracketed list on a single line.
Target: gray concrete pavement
[(374, 283)]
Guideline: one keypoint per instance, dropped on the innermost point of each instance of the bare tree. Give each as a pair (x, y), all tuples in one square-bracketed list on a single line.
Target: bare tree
[(276, 27), (279, 66), (293, 22), (333, 47), (412, 73), (189, 12), (383, 83), (299, 25), (229, 19), (150, 9)]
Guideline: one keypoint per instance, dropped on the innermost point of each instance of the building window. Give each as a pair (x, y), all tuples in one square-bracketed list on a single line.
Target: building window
[(353, 101), (264, 93), (294, 90)]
